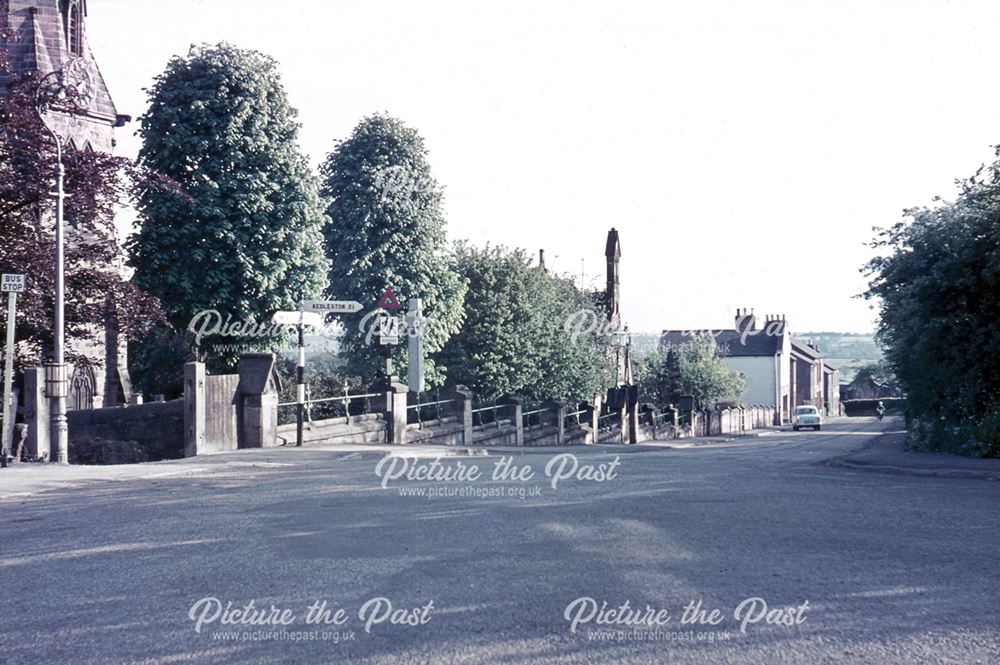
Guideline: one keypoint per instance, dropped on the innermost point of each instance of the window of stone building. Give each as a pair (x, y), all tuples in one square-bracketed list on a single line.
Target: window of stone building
[(74, 28)]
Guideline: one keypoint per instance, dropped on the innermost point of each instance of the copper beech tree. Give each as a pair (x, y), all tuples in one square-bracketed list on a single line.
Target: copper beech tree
[(96, 292)]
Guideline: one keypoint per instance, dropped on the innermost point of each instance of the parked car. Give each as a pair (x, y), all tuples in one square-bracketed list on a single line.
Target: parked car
[(807, 416)]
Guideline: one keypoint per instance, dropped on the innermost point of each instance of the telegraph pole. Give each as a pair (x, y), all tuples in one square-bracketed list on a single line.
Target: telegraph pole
[(300, 375)]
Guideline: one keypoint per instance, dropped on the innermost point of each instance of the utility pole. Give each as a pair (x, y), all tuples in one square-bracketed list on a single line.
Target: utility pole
[(300, 375)]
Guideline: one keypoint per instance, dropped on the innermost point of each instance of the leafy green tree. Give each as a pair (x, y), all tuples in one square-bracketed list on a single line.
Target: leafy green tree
[(658, 375), (514, 338), (247, 238), (387, 230), (880, 373), (692, 369), (938, 288), (704, 375)]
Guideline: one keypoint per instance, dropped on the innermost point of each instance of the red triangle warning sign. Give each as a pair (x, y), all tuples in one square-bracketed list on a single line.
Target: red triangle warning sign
[(389, 300)]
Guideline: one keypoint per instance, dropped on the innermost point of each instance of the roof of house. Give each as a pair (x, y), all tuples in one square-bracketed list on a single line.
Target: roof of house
[(805, 350), (731, 343)]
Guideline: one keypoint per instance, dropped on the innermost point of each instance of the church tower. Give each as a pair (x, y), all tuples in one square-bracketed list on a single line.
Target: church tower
[(613, 254), (50, 37), (46, 36)]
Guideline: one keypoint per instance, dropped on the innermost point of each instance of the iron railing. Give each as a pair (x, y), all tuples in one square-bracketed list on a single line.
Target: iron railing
[(487, 414), (342, 401), (533, 415), (573, 419), (417, 413)]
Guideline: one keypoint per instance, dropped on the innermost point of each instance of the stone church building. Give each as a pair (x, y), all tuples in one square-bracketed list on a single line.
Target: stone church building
[(46, 36)]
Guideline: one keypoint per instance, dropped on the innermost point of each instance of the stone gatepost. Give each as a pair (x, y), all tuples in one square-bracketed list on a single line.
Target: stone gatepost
[(194, 408), (623, 417), (461, 408), (593, 412), (257, 406), (516, 407), (36, 412), (555, 416), (393, 408), (650, 411), (632, 415)]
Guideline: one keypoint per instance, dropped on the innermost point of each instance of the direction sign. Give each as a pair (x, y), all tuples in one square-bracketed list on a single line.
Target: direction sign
[(12, 283), (332, 306), (388, 330), (291, 318)]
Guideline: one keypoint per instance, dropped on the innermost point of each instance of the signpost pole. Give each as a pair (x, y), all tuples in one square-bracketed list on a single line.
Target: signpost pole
[(8, 377), (415, 346), (300, 389)]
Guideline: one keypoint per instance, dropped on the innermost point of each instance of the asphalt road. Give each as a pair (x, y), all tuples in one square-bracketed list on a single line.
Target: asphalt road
[(867, 568)]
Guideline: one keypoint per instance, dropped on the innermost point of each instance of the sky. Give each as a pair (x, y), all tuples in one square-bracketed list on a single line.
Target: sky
[(744, 151)]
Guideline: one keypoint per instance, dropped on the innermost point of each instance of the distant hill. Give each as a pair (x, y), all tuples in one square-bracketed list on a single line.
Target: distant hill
[(848, 351)]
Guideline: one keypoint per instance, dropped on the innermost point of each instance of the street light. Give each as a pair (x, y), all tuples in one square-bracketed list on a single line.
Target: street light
[(52, 90)]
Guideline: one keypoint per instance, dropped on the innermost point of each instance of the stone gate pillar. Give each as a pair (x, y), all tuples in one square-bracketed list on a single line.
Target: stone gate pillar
[(257, 395), (36, 412)]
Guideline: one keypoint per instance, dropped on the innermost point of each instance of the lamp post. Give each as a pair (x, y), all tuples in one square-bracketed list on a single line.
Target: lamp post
[(51, 90)]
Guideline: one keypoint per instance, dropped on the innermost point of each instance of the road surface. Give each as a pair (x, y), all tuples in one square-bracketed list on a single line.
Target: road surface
[(803, 562)]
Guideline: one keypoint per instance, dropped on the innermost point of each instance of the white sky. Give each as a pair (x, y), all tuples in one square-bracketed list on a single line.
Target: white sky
[(744, 150)]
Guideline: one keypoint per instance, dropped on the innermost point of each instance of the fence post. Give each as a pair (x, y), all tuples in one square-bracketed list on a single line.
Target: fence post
[(516, 405), (194, 408), (590, 417), (257, 394), (556, 416), (461, 408), (36, 412)]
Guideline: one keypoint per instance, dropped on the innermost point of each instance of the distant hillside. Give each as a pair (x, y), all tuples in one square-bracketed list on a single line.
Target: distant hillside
[(844, 345), (848, 351)]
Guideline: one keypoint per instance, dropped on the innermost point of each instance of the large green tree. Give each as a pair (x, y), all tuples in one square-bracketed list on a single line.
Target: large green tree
[(514, 339), (938, 288), (386, 229), (247, 238), (693, 369), (658, 375)]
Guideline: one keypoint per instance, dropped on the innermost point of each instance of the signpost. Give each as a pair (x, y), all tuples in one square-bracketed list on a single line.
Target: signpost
[(12, 285), (290, 318), (332, 306), (310, 313), (415, 346)]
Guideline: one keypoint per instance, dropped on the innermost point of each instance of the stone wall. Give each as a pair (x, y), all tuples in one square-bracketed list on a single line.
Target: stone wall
[(157, 427)]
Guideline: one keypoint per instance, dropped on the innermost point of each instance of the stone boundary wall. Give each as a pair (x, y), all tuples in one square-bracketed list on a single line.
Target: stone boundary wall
[(158, 426)]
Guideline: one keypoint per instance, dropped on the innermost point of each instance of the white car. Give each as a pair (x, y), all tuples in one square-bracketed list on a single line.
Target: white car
[(807, 416)]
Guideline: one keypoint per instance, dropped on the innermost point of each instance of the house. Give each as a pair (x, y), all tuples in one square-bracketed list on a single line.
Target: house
[(806, 375), (831, 389), (762, 355)]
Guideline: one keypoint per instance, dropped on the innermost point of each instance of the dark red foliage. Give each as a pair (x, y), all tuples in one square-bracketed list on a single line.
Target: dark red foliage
[(97, 294)]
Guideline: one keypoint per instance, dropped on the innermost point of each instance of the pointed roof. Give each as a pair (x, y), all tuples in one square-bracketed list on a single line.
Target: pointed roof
[(613, 249)]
